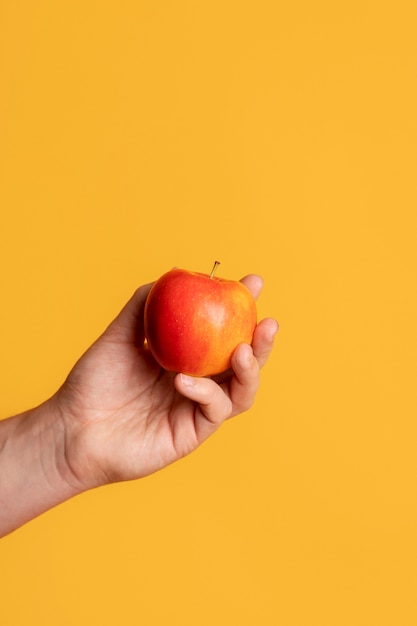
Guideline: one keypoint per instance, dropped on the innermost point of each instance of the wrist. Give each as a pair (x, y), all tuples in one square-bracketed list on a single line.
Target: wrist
[(34, 475), (79, 450), (52, 433)]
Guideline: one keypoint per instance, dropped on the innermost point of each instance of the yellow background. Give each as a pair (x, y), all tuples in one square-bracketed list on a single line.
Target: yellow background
[(280, 138)]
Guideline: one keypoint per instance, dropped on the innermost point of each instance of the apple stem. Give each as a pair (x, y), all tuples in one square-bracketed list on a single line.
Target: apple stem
[(216, 263)]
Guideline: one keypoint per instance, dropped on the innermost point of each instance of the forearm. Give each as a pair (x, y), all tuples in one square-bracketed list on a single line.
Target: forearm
[(33, 474)]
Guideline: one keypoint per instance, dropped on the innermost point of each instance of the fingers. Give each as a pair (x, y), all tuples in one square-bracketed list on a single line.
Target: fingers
[(254, 283), (214, 403), (245, 380), (246, 364), (263, 339), (219, 402), (213, 406), (266, 330), (127, 327)]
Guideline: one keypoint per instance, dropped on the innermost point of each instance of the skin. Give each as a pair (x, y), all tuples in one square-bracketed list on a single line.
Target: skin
[(119, 416)]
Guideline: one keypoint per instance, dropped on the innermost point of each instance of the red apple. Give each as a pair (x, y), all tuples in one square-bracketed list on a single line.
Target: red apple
[(194, 321)]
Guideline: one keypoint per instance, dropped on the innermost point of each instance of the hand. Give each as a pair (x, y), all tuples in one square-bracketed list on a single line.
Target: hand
[(124, 417)]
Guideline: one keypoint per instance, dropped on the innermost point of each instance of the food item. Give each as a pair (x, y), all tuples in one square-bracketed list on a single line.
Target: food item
[(194, 321)]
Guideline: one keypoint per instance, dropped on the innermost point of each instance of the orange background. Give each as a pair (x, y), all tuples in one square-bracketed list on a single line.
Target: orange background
[(279, 138)]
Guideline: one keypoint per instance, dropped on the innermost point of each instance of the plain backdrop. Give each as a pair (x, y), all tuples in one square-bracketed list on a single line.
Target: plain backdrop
[(279, 138)]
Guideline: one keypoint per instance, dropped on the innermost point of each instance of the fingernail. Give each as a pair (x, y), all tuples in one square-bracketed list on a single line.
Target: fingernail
[(188, 381), (276, 329)]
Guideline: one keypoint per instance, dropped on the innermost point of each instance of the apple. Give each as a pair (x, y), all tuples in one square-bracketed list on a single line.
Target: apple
[(194, 321)]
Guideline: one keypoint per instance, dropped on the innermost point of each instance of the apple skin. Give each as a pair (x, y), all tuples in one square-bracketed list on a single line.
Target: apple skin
[(194, 322)]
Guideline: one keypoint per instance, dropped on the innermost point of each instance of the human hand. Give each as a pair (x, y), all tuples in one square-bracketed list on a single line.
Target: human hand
[(124, 417)]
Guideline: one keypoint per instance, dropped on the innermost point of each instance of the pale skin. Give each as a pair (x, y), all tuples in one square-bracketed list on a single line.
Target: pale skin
[(119, 416)]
